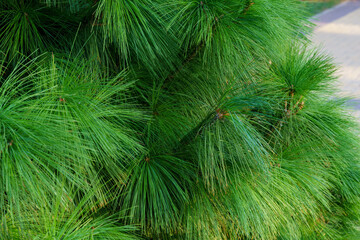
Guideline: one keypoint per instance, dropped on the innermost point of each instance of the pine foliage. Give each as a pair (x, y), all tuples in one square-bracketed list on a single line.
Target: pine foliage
[(179, 119)]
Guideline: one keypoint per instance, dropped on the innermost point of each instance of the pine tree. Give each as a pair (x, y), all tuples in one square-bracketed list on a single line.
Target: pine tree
[(178, 119)]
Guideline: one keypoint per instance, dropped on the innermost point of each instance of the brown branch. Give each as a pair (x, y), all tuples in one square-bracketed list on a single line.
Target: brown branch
[(249, 4)]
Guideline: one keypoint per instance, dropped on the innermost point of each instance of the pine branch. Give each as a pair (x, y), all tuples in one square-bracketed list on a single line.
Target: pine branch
[(248, 5)]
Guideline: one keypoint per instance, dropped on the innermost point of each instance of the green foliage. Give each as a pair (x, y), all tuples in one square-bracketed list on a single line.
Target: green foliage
[(27, 26), (55, 128), (67, 217), (171, 120), (156, 191), (136, 30)]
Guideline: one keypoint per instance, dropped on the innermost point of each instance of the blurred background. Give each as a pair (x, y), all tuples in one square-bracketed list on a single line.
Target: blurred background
[(317, 6), (337, 33)]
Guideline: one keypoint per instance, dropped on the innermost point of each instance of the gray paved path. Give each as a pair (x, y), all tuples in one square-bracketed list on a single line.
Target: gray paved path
[(338, 33)]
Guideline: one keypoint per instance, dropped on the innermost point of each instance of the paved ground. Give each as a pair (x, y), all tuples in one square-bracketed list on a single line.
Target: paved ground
[(338, 33)]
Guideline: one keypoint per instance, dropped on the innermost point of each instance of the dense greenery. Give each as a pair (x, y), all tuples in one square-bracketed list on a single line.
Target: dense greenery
[(178, 119)]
